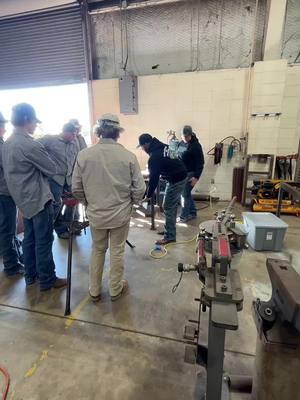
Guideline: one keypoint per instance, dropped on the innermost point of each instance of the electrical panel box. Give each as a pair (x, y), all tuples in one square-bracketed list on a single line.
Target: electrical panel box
[(128, 91)]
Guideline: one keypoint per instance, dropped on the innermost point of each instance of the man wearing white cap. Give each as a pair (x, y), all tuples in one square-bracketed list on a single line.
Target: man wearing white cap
[(107, 178)]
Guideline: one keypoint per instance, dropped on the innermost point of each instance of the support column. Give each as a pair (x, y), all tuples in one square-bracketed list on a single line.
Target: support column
[(274, 31)]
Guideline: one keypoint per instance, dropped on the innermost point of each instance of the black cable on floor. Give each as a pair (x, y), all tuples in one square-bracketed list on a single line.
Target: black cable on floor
[(206, 205), (118, 328)]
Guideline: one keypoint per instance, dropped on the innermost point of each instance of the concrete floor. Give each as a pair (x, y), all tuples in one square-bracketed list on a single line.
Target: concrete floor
[(132, 349)]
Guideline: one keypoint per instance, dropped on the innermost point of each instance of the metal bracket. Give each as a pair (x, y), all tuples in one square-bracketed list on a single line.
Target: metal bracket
[(190, 355), (190, 332)]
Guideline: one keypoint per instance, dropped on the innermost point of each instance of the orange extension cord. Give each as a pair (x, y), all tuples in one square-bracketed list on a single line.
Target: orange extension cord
[(7, 382)]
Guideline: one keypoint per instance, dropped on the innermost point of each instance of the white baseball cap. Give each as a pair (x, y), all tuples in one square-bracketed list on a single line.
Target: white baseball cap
[(109, 120)]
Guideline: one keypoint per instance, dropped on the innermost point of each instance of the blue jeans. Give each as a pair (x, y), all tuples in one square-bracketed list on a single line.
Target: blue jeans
[(61, 218), (37, 248), (171, 202), (8, 220), (188, 205)]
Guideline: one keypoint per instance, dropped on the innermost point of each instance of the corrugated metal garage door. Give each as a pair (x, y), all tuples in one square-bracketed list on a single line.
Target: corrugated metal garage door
[(42, 49)]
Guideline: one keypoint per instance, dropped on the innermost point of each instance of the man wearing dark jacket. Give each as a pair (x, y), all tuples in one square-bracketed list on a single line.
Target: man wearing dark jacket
[(173, 171), (194, 162)]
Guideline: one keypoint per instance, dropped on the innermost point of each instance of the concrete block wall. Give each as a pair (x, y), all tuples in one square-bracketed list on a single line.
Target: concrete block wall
[(212, 102), (275, 88), (289, 130), (268, 85)]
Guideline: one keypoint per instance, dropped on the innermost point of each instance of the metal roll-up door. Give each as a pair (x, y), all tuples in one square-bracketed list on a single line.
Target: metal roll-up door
[(42, 49)]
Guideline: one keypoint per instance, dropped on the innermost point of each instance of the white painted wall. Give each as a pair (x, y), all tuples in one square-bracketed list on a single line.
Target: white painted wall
[(11, 7), (276, 88), (212, 102), (268, 85)]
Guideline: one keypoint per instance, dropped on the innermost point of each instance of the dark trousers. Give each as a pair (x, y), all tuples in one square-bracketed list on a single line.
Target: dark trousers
[(61, 217), (37, 248), (171, 202), (8, 220), (188, 205)]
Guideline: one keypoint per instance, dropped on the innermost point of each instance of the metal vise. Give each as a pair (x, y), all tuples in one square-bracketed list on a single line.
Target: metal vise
[(225, 221), (277, 361), (284, 305)]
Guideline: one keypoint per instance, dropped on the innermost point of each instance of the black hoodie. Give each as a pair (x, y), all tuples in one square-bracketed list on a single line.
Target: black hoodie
[(173, 170), (193, 157)]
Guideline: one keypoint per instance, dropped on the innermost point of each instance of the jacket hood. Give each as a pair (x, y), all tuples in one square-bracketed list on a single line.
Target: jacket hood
[(155, 145), (194, 139)]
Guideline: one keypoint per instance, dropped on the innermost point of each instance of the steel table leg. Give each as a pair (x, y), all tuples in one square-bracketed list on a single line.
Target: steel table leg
[(279, 203), (216, 344)]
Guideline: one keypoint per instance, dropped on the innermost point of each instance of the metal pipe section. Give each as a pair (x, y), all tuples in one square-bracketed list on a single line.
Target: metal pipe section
[(130, 6), (69, 267)]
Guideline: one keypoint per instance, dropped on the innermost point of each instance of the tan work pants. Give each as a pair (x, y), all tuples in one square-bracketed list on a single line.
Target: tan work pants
[(115, 239)]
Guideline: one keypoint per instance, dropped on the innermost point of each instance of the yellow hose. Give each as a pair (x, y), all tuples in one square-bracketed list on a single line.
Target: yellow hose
[(164, 251)]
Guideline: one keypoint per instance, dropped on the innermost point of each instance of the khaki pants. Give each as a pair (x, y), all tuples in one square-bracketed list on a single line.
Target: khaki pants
[(115, 239)]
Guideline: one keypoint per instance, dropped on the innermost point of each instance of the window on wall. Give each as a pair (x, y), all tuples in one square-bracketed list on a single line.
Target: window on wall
[(291, 36), (177, 37), (54, 105)]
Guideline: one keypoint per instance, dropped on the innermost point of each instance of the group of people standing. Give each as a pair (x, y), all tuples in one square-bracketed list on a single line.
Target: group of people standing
[(181, 173), (34, 174), (106, 178)]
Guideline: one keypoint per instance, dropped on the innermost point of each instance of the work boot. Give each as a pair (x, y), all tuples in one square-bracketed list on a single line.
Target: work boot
[(59, 283), (123, 291), (163, 242), (17, 271), (95, 299)]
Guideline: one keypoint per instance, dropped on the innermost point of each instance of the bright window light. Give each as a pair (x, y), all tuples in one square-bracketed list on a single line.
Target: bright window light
[(54, 105)]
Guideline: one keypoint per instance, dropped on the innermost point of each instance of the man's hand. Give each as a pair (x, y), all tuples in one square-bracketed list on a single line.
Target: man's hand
[(193, 181)]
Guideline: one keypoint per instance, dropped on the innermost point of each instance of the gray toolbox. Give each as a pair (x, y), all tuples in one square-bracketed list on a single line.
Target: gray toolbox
[(265, 231)]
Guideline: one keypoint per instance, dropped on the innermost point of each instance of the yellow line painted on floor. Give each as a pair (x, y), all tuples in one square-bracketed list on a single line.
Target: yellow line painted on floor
[(31, 371), (44, 355), (75, 314), (35, 365)]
